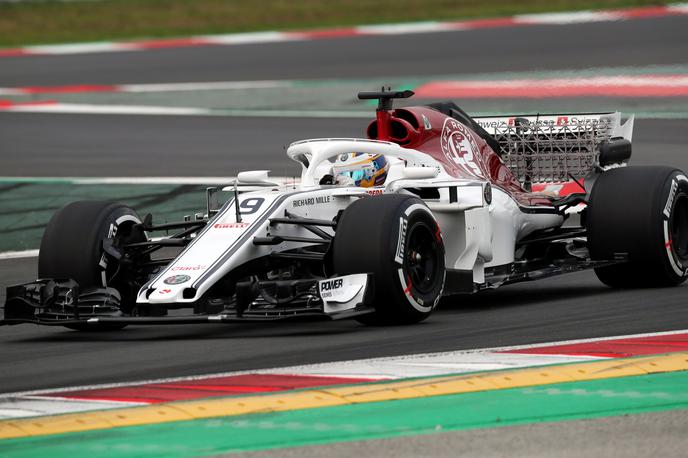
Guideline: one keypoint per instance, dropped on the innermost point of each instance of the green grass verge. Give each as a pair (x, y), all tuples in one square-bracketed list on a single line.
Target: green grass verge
[(56, 22)]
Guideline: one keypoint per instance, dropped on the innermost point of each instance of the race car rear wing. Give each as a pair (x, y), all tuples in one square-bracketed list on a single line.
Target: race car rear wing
[(554, 147)]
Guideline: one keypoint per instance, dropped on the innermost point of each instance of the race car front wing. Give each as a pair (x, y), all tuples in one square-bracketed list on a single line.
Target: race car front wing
[(62, 303)]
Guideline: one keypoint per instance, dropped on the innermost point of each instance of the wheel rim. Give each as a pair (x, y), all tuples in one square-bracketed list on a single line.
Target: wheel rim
[(124, 235), (121, 274), (679, 227), (422, 262)]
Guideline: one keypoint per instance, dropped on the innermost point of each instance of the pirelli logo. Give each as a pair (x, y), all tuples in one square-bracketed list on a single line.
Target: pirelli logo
[(399, 255), (670, 200)]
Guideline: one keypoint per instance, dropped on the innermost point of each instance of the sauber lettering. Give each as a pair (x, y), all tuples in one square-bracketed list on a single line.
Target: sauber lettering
[(459, 147), (230, 225), (187, 268)]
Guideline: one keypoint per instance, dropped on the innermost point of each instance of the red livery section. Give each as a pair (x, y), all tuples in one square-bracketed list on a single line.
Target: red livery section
[(616, 348), (560, 189), (206, 388), (461, 151)]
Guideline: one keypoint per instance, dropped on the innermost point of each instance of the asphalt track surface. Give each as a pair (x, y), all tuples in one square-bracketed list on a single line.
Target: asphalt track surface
[(116, 145), (550, 47), (567, 307)]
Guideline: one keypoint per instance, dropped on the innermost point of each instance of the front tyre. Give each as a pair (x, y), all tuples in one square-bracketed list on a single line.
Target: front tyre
[(640, 213), (72, 247), (396, 238)]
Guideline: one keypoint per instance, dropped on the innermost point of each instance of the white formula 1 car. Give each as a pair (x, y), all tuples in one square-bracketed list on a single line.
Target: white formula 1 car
[(433, 203)]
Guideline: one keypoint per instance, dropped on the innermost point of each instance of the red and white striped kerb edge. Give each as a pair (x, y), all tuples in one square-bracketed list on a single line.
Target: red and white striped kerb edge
[(370, 30)]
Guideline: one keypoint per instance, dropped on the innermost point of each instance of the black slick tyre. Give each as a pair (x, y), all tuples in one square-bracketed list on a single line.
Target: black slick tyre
[(396, 238), (640, 213), (72, 247)]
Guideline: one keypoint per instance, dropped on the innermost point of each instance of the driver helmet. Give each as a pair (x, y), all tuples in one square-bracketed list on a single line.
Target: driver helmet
[(361, 169)]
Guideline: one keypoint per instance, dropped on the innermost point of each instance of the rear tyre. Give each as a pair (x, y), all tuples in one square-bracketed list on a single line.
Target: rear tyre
[(72, 247), (641, 213), (396, 238)]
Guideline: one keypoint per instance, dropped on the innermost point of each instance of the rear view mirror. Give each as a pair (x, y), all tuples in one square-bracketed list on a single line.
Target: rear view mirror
[(253, 177), (212, 201)]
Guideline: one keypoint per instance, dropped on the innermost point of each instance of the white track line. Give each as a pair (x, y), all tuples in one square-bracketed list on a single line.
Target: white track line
[(577, 17), (19, 254), (137, 180), (78, 48), (678, 7), (249, 38), (158, 180), (204, 86), (77, 108), (403, 29)]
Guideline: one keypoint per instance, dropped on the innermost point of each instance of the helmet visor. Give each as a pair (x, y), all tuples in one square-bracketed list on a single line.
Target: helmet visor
[(355, 175)]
